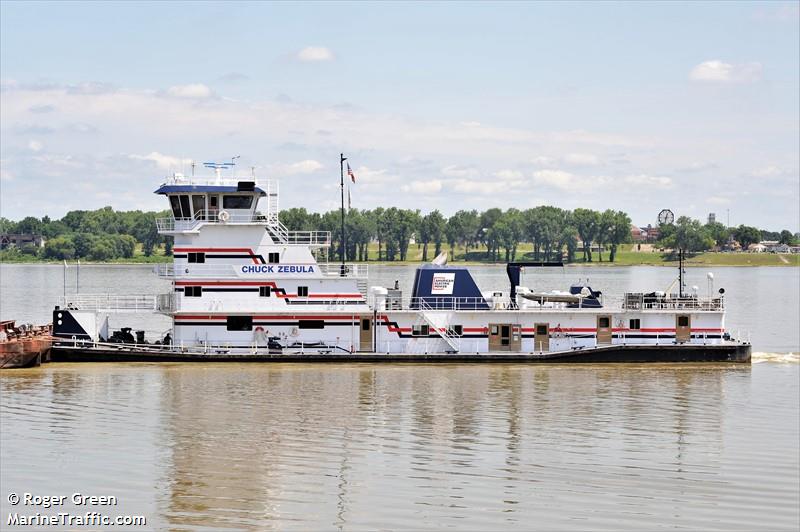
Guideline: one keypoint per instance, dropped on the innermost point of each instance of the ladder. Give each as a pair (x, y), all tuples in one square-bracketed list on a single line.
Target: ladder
[(442, 329)]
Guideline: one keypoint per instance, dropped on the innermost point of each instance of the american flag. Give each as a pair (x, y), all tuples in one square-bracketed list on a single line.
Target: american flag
[(350, 173)]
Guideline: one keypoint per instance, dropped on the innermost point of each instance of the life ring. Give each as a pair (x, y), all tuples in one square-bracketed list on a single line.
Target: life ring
[(224, 216), (259, 329), (295, 331)]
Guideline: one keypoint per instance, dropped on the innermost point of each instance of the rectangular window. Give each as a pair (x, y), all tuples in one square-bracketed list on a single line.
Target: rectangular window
[(175, 203), (457, 330), (240, 323), (420, 330), (193, 291), (185, 209), (635, 324), (199, 206), (197, 258), (302, 291), (264, 291), (365, 324), (274, 258), (604, 322), (494, 329), (311, 324), (683, 321), (541, 330), (237, 202)]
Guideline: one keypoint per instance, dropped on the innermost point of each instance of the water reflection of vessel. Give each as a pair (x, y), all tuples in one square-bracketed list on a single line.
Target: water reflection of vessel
[(246, 288)]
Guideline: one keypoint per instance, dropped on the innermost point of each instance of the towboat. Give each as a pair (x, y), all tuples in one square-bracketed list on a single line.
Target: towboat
[(244, 288)]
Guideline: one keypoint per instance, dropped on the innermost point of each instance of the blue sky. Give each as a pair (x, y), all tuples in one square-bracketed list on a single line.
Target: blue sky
[(637, 106)]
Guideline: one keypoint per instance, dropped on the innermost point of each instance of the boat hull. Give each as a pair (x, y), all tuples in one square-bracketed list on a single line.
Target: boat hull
[(727, 353)]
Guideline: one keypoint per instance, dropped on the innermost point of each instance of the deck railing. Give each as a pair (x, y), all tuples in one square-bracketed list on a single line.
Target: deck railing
[(111, 302), (279, 233), (641, 301)]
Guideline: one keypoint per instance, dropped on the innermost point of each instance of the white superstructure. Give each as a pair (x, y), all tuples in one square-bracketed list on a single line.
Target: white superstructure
[(243, 283)]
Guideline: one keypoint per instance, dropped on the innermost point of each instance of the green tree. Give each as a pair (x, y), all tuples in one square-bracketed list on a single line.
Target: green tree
[(688, 235), (718, 232), (587, 222), (60, 248), (747, 235), (786, 237), (619, 232)]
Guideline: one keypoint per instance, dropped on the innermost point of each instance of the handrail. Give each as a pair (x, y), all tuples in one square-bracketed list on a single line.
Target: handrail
[(110, 302)]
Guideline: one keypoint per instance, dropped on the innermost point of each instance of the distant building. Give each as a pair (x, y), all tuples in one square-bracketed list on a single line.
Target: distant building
[(712, 217), (637, 234), (756, 248), (8, 240), (651, 233)]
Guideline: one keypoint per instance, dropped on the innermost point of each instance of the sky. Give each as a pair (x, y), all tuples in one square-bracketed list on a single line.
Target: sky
[(629, 106)]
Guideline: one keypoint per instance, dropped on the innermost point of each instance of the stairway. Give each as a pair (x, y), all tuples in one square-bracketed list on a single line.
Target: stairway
[(442, 329)]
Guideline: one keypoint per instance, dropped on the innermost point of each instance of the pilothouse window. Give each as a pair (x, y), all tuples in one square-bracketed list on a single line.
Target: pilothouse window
[(176, 206), (199, 206), (187, 211), (237, 202), (274, 258)]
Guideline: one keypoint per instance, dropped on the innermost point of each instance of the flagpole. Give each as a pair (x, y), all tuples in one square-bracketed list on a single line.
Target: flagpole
[(342, 159)]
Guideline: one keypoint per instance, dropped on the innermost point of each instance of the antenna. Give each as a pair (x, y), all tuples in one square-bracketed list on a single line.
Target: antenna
[(218, 168), (233, 159)]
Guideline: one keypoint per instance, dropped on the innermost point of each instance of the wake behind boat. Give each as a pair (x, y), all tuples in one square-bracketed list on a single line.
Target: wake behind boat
[(246, 288)]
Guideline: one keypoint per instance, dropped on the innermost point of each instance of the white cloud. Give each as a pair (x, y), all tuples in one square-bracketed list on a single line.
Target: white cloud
[(543, 160), (554, 178), (770, 171), (719, 200), (193, 91), (508, 175), (459, 171), (370, 176), (466, 186), (164, 162), (35, 145), (314, 54), (423, 187), (721, 72), (581, 159), (698, 167), (647, 180), (307, 166)]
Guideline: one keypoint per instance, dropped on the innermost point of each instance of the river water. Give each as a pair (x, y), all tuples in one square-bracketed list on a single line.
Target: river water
[(399, 446)]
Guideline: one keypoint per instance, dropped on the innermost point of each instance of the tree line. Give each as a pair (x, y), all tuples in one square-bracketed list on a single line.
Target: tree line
[(693, 236), (492, 235), (98, 235), (554, 233)]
